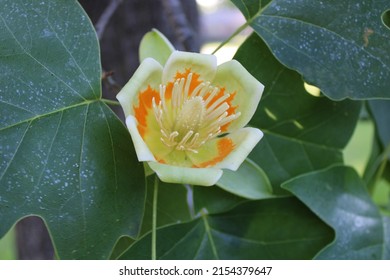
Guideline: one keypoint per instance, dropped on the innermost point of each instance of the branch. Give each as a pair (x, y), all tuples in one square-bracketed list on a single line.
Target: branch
[(105, 17), (182, 28)]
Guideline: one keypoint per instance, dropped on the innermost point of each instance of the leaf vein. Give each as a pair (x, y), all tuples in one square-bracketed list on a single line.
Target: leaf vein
[(327, 30), (84, 230), (16, 150), (38, 62)]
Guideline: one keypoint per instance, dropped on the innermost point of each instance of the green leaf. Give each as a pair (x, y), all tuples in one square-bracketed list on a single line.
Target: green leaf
[(380, 110), (64, 155), (249, 181), (155, 45), (267, 229), (339, 197), (250, 8), (172, 206), (340, 46), (386, 235), (302, 132), (378, 165), (214, 200)]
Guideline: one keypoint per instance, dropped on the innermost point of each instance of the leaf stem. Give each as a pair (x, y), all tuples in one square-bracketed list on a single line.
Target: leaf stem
[(238, 31), (208, 231), (154, 218), (382, 166), (111, 102)]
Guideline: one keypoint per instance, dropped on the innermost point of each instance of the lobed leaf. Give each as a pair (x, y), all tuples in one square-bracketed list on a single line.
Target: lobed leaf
[(64, 155), (302, 133), (339, 46), (267, 229), (339, 197)]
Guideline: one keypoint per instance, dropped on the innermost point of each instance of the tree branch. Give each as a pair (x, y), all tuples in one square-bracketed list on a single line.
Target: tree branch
[(105, 17), (182, 28)]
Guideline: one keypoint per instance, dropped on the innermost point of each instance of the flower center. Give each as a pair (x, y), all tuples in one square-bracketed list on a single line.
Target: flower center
[(192, 115)]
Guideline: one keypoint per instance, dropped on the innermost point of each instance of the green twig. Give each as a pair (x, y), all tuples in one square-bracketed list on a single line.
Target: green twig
[(208, 231), (111, 102), (242, 27), (238, 31), (382, 166), (154, 218)]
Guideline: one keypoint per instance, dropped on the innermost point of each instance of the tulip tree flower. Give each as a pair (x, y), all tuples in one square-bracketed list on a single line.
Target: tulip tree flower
[(186, 115)]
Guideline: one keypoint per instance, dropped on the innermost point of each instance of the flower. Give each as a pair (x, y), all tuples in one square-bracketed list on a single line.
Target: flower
[(186, 115)]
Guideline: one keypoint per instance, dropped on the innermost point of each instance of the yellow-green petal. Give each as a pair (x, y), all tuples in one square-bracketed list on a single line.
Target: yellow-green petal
[(141, 149), (149, 73), (155, 45), (244, 139), (237, 80), (205, 65), (186, 175)]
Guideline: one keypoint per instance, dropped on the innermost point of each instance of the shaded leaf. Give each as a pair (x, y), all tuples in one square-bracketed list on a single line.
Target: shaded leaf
[(172, 206), (302, 132), (386, 234), (250, 8), (380, 110), (64, 155), (267, 229), (339, 197), (340, 46), (214, 200)]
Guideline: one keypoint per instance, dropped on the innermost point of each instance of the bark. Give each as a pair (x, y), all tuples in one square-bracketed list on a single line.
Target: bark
[(33, 240)]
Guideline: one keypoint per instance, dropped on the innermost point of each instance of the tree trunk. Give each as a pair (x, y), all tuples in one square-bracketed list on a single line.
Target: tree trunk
[(33, 240)]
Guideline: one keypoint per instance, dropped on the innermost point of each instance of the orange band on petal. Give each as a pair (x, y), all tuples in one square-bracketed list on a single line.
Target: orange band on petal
[(194, 82), (231, 110), (144, 106), (225, 147)]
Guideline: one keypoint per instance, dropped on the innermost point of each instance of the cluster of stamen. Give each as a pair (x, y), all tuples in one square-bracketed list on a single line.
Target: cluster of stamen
[(191, 118)]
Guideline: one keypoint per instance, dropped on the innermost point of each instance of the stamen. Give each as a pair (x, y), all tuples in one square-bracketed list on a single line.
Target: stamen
[(187, 86), (229, 118), (173, 135), (186, 137), (181, 92), (217, 112), (156, 110), (211, 96), (204, 90), (175, 95), (193, 140), (164, 133), (197, 89), (217, 102), (162, 97), (215, 123), (192, 117)]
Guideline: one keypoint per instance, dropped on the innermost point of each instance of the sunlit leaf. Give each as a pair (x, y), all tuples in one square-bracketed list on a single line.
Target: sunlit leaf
[(302, 132), (249, 181), (339, 197), (340, 46)]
